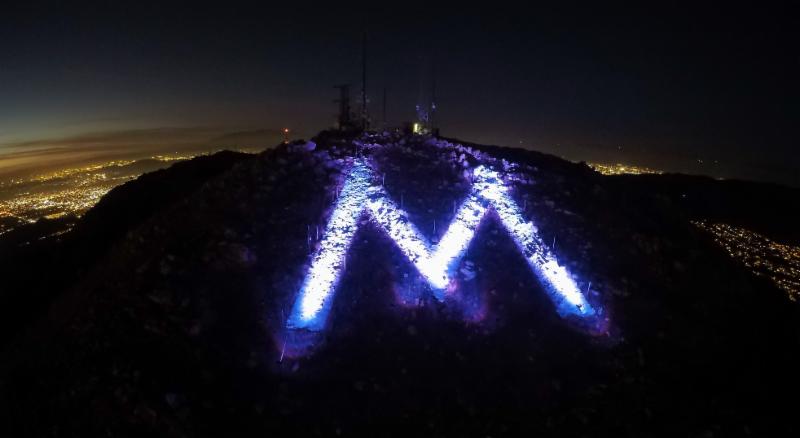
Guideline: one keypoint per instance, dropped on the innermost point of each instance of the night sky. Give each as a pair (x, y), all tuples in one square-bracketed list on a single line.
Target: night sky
[(709, 91)]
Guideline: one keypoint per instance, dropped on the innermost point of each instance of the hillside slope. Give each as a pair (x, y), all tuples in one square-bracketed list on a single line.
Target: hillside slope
[(173, 325)]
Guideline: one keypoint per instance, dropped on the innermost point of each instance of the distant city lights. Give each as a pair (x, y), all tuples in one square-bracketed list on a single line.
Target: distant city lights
[(67, 191), (622, 169), (778, 262)]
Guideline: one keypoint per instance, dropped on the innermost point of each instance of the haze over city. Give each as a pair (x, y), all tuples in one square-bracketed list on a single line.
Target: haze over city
[(704, 91)]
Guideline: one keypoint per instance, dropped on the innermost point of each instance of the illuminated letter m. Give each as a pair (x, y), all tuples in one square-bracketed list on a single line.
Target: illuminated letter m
[(437, 263)]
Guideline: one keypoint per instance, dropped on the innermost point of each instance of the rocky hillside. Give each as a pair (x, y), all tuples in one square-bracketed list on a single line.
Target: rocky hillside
[(162, 311)]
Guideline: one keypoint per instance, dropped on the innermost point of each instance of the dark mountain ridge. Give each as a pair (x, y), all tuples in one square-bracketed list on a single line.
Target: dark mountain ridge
[(162, 311)]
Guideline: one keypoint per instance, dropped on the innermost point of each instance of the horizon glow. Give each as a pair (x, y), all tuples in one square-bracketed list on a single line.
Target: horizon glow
[(435, 262)]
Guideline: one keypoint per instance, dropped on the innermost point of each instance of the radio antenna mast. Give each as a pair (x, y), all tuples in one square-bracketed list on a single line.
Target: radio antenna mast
[(364, 115)]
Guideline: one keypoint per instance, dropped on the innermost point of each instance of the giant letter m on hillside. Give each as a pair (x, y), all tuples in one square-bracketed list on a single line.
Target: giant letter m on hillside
[(436, 262)]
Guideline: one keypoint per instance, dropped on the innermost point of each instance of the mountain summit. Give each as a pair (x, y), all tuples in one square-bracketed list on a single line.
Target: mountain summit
[(163, 311)]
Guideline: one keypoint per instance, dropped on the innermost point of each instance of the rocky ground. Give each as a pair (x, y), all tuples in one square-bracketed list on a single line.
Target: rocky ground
[(161, 312)]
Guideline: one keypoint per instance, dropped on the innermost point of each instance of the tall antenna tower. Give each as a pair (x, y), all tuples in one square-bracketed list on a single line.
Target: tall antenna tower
[(426, 102), (344, 107), (384, 107), (433, 101), (364, 114)]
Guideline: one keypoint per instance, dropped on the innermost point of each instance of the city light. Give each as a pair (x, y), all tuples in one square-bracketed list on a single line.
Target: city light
[(623, 169), (437, 262), (764, 257), (69, 191)]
